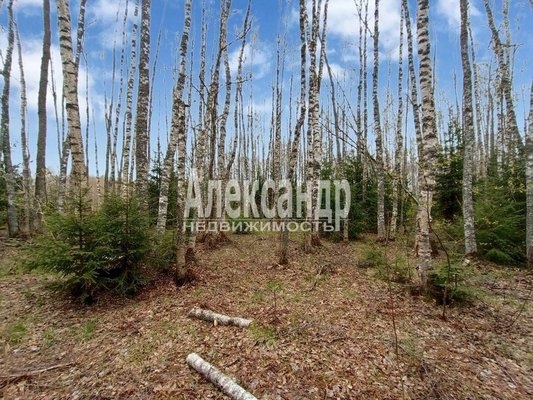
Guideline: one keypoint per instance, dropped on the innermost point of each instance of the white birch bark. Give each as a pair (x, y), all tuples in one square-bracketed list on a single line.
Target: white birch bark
[(128, 113), (468, 134), (429, 151), (506, 85), (70, 90), (398, 150), (529, 181), (142, 135), (380, 175), (40, 160), (12, 217), (217, 378), (295, 144), (178, 128), (221, 319), (26, 226)]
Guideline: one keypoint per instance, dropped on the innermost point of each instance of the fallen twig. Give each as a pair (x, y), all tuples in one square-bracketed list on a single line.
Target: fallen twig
[(14, 378)]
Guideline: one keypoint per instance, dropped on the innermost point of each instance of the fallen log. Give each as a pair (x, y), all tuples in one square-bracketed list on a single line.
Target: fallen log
[(217, 378), (221, 319)]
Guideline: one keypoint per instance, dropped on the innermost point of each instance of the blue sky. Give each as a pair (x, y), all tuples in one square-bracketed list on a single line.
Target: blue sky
[(270, 18)]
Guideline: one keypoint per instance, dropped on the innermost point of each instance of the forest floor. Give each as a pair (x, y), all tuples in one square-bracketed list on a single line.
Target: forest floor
[(323, 329)]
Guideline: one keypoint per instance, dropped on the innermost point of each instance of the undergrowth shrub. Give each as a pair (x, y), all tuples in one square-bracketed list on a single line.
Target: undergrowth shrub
[(447, 284), (94, 250), (371, 258), (162, 254), (396, 271)]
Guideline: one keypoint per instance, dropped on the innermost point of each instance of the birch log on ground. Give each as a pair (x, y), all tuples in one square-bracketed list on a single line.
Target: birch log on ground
[(217, 378), (221, 319)]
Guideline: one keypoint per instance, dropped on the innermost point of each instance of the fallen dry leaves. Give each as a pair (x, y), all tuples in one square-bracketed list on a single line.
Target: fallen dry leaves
[(329, 335)]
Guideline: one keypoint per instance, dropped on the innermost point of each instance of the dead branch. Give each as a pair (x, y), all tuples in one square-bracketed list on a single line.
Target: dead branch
[(14, 378), (221, 319), (217, 378)]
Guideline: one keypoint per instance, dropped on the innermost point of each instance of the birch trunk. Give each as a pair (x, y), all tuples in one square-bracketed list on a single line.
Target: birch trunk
[(142, 135), (111, 150), (128, 114), (377, 131), (429, 151), (412, 74), (217, 378), (70, 92), (239, 112), (529, 182), (481, 142), (295, 144), (314, 133), (221, 319), (178, 127), (201, 137), (469, 139), (26, 226), (511, 130), (398, 151), (12, 218), (40, 160)]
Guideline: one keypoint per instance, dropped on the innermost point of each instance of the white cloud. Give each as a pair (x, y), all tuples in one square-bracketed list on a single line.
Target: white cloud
[(450, 10), (106, 10), (337, 71), (256, 59), (31, 57), (21, 4), (344, 23)]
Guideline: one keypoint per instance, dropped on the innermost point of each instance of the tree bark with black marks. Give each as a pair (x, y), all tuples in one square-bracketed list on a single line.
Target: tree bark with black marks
[(297, 134), (142, 135), (9, 177), (70, 64), (529, 181), (380, 173), (27, 222), (511, 133), (314, 132), (398, 150), (428, 152), (468, 134), (40, 160), (177, 137), (128, 112)]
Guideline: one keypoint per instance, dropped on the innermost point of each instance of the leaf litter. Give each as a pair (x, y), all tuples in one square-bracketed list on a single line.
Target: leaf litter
[(318, 333)]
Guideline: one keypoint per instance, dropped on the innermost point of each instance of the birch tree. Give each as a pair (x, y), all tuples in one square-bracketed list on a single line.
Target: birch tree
[(398, 151), (9, 172), (314, 133), (468, 134), (128, 112), (142, 136), (377, 131), (505, 81), (26, 225), (529, 182), (178, 129), (70, 64), (40, 160), (302, 105), (428, 151)]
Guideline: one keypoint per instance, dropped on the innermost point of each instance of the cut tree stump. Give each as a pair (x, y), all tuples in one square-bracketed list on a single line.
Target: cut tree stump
[(221, 319), (217, 378)]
